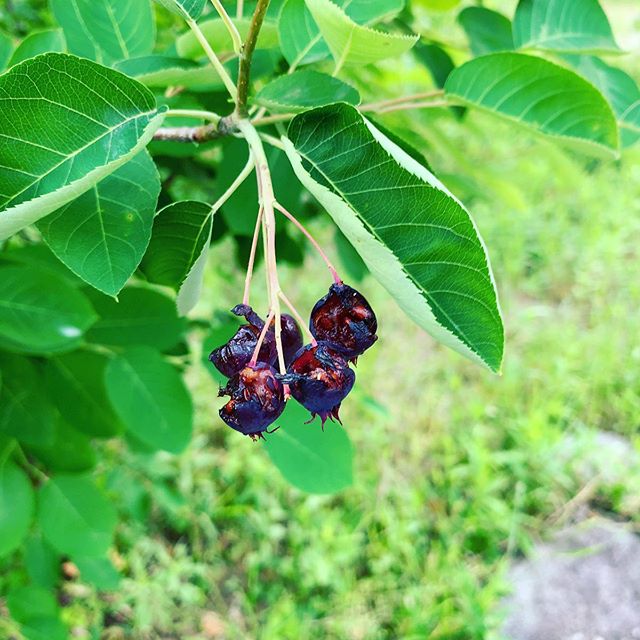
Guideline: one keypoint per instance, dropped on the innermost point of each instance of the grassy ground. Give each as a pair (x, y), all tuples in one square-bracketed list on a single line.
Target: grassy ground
[(457, 471)]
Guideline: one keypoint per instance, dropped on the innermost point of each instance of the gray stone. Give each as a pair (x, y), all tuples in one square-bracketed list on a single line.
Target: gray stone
[(583, 585)]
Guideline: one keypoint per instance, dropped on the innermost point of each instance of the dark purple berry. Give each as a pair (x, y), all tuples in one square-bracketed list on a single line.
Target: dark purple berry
[(232, 357), (257, 399), (291, 338), (345, 320), (319, 379)]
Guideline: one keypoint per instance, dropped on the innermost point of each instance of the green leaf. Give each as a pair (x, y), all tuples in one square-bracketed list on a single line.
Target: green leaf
[(311, 459), (619, 88), (37, 43), (16, 507), (41, 562), (40, 313), (539, 95), (186, 8), (29, 603), (572, 26), (181, 231), (25, 412), (42, 167), (151, 399), (99, 572), (41, 257), (216, 33), (102, 235), (158, 72), (44, 629), (75, 382), (106, 30), (352, 44), (488, 31), (437, 60), (351, 261), (75, 516), (141, 317), (6, 49), (302, 90), (414, 236)]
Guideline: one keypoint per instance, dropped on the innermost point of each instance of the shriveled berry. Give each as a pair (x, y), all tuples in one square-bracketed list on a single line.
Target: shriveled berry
[(345, 320), (233, 356), (291, 338), (257, 399), (319, 379)]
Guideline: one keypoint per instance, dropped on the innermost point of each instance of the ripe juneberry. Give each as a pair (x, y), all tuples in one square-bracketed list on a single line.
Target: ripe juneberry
[(319, 379), (232, 357), (345, 320), (257, 399), (291, 338)]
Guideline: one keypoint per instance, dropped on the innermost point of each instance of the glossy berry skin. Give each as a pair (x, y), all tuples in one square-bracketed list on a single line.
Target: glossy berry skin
[(345, 320), (232, 357), (291, 338), (320, 379), (257, 399)]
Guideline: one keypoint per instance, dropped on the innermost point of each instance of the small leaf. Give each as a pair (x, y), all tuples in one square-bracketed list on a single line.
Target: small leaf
[(106, 30), (76, 518), (437, 60), (488, 31), (43, 167), (6, 49), (158, 72), (16, 507), (539, 95), (36, 43), (75, 382), (41, 562), (417, 240), (351, 43), (619, 88), (40, 313), (98, 572), (311, 459), (302, 90), (102, 235), (142, 316), (151, 399), (186, 8), (180, 233), (217, 34), (572, 26)]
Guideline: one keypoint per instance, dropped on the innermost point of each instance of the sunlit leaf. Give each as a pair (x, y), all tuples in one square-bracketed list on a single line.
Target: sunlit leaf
[(488, 31)]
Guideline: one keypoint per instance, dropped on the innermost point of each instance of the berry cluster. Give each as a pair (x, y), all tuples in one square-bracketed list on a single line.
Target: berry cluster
[(342, 327)]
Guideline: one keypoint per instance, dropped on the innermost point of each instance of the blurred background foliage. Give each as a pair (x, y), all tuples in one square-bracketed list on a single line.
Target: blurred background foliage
[(457, 471)]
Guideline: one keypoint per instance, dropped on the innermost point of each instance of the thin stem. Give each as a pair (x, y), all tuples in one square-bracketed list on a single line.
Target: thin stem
[(240, 9), (312, 240), (372, 106), (261, 337), (252, 258), (415, 105), (188, 134), (272, 140), (298, 317), (246, 54), (231, 28), (213, 58), (279, 117), (240, 178), (192, 113)]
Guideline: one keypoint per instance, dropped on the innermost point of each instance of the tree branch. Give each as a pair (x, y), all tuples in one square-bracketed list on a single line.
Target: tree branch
[(246, 54)]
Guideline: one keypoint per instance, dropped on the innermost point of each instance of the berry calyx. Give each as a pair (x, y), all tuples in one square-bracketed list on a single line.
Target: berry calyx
[(257, 400), (319, 378), (345, 320)]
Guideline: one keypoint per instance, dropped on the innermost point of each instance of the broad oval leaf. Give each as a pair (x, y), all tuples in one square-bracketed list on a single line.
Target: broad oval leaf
[(75, 516), (414, 236), (304, 89), (164, 71), (42, 562), (151, 399), (140, 316), (103, 234), (98, 572), (16, 507), (620, 89), (41, 313), (573, 26), (36, 43), (42, 167), (351, 43), (539, 95), (310, 458), (106, 30), (488, 31), (187, 8)]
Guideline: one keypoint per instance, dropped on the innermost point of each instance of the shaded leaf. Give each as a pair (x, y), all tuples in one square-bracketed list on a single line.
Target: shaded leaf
[(151, 399), (158, 72), (6, 49), (41, 562), (189, 8), (102, 235), (37, 43), (43, 167), (98, 572), (488, 31), (16, 507)]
